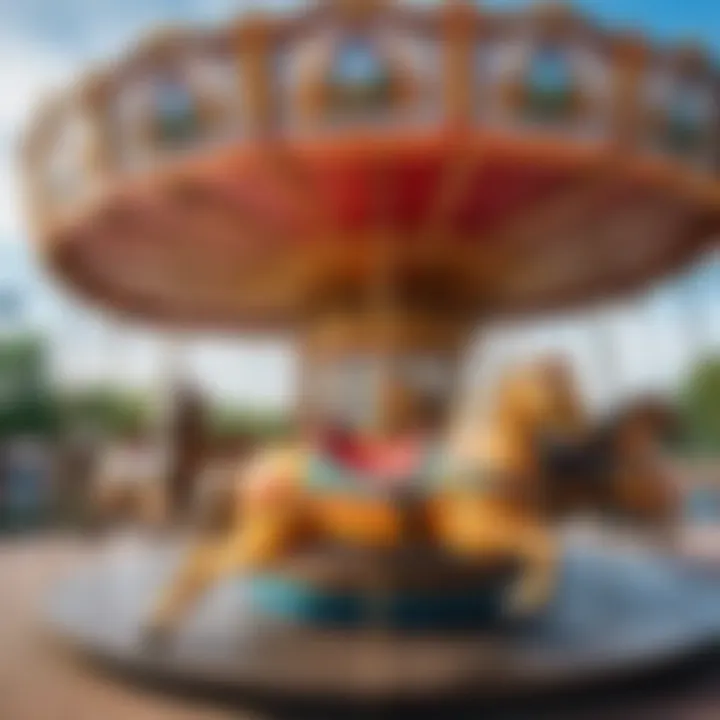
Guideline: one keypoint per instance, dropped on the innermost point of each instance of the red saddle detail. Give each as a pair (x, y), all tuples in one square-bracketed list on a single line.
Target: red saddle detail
[(389, 462)]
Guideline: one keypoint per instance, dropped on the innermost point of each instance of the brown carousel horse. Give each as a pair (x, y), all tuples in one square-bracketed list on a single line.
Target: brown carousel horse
[(644, 485), (616, 468)]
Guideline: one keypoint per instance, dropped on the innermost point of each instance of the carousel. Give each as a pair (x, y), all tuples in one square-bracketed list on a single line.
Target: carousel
[(379, 180)]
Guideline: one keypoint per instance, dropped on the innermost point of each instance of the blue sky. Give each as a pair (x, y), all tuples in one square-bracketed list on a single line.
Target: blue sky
[(665, 20), (44, 43)]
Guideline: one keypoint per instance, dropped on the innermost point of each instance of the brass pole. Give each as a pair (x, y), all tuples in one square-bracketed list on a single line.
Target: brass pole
[(382, 302)]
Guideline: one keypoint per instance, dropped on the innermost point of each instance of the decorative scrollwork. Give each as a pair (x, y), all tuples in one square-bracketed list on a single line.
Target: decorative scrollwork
[(689, 119), (175, 118), (549, 90), (361, 79), (359, 64)]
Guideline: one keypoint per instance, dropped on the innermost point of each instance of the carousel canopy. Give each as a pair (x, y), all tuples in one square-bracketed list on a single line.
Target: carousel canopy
[(505, 163)]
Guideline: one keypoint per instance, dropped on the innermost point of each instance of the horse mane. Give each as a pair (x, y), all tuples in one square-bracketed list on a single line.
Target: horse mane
[(529, 401)]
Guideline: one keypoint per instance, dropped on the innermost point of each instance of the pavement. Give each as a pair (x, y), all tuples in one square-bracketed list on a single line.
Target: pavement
[(37, 681)]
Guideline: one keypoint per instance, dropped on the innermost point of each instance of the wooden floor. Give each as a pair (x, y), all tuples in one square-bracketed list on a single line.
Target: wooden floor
[(38, 682)]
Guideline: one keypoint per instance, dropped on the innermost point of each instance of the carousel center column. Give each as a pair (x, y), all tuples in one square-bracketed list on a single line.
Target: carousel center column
[(379, 372)]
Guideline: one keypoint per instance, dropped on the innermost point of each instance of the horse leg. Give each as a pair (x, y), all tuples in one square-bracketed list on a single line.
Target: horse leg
[(478, 529), (260, 540), (537, 550)]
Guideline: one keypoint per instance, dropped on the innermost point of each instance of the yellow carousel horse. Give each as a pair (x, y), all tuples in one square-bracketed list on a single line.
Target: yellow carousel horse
[(475, 508)]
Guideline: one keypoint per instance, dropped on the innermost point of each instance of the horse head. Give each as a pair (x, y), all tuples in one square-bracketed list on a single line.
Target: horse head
[(541, 398)]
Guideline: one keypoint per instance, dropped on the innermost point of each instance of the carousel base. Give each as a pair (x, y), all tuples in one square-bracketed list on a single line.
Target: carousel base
[(615, 613), (412, 589)]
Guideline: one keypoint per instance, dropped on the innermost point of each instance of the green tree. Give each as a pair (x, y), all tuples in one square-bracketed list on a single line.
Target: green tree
[(700, 405), (26, 398), (104, 410), (227, 422)]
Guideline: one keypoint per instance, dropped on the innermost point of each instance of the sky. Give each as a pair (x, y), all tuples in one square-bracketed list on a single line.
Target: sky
[(45, 43)]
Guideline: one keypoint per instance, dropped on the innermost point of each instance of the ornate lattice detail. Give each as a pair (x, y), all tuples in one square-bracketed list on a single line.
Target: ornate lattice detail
[(442, 125), (689, 119), (549, 88), (360, 80), (175, 117)]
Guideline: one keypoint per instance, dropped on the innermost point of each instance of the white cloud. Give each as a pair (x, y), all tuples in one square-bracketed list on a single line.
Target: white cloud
[(29, 71)]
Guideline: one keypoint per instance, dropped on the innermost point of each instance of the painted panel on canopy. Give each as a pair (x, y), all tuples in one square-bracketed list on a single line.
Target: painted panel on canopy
[(174, 106), (682, 110), (338, 79)]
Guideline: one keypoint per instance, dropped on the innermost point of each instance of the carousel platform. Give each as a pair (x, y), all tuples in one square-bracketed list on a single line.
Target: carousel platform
[(616, 613)]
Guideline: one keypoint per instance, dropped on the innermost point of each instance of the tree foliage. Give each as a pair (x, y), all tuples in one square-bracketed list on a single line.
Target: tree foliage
[(26, 403), (700, 404), (225, 422), (104, 411), (31, 405)]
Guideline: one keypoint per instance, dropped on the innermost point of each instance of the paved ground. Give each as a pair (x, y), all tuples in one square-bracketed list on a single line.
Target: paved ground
[(40, 683)]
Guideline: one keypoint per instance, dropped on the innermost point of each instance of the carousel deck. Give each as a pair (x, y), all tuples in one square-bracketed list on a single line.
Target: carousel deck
[(616, 613)]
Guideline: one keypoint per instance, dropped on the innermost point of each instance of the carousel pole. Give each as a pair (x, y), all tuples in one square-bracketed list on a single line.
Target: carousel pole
[(693, 316), (384, 309), (608, 363), (183, 433), (654, 318), (384, 306)]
